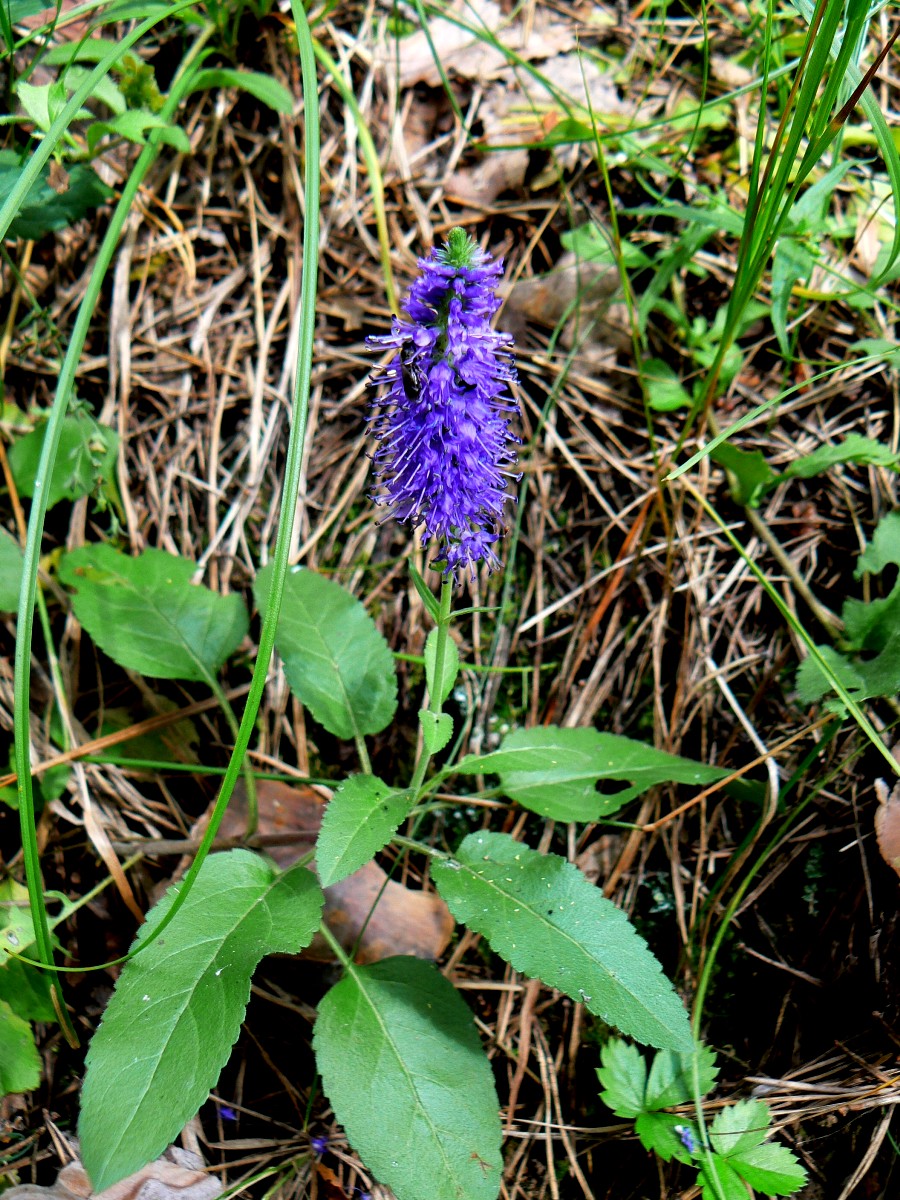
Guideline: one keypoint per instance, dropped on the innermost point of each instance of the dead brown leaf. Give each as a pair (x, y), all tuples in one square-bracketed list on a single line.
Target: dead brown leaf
[(176, 1175), (887, 823)]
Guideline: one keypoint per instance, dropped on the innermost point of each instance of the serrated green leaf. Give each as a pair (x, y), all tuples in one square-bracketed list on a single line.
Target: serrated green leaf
[(336, 661), (178, 1006), (671, 1079), (855, 448), (543, 916), (360, 818), (403, 1068), (884, 548), (751, 474), (134, 125), (730, 1185), (20, 1066), (555, 771), (623, 1075), (85, 462), (739, 1127), (262, 87), (451, 666), (10, 572), (666, 1134), (771, 1168), (437, 730), (146, 614), (879, 676)]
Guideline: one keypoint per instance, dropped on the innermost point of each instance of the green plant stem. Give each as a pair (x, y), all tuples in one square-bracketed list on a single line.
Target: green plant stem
[(52, 434), (335, 946), (434, 700)]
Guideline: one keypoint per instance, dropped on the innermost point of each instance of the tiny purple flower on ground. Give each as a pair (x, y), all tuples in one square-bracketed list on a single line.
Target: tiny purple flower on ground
[(686, 1138), (446, 453), (319, 1144), (226, 1113)]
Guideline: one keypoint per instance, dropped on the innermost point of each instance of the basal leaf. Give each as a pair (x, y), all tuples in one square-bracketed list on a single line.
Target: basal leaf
[(623, 1075), (85, 463), (25, 989), (336, 661), (360, 818), (20, 1066), (671, 1079), (668, 1135), (451, 666), (739, 1127), (663, 389), (555, 771), (134, 124), (177, 1008), (545, 918), (406, 1075), (771, 1168), (146, 614), (10, 572)]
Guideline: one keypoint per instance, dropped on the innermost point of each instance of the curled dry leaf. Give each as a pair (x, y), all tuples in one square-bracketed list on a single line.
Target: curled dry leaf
[(367, 909), (176, 1175)]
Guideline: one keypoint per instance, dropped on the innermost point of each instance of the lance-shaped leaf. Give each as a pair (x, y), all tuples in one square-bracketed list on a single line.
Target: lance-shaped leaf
[(543, 916), (359, 820), (336, 661), (404, 1070), (146, 614), (178, 1006), (555, 771)]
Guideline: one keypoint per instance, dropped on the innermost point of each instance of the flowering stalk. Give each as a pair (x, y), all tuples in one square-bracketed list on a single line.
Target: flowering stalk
[(445, 452)]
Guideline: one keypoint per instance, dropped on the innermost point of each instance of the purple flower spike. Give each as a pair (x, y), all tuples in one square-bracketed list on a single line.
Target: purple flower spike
[(446, 453)]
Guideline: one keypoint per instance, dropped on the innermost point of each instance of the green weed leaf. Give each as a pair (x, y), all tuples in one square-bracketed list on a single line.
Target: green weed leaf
[(178, 1006), (555, 771), (884, 548), (451, 666), (20, 1066), (404, 1070), (862, 451), (262, 87), (663, 1133), (771, 1168), (134, 125), (739, 1127), (663, 389), (360, 818), (751, 475), (426, 595), (45, 210), (25, 989), (671, 1079), (85, 463), (623, 1076), (10, 572), (730, 1185), (545, 918), (336, 661), (146, 614)]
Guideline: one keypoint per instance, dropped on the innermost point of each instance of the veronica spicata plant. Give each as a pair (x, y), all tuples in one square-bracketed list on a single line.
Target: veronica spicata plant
[(400, 1058)]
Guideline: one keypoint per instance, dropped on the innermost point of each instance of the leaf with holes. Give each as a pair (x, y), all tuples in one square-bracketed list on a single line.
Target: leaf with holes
[(547, 920), (336, 661), (555, 771), (146, 614), (178, 1006), (406, 1075)]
